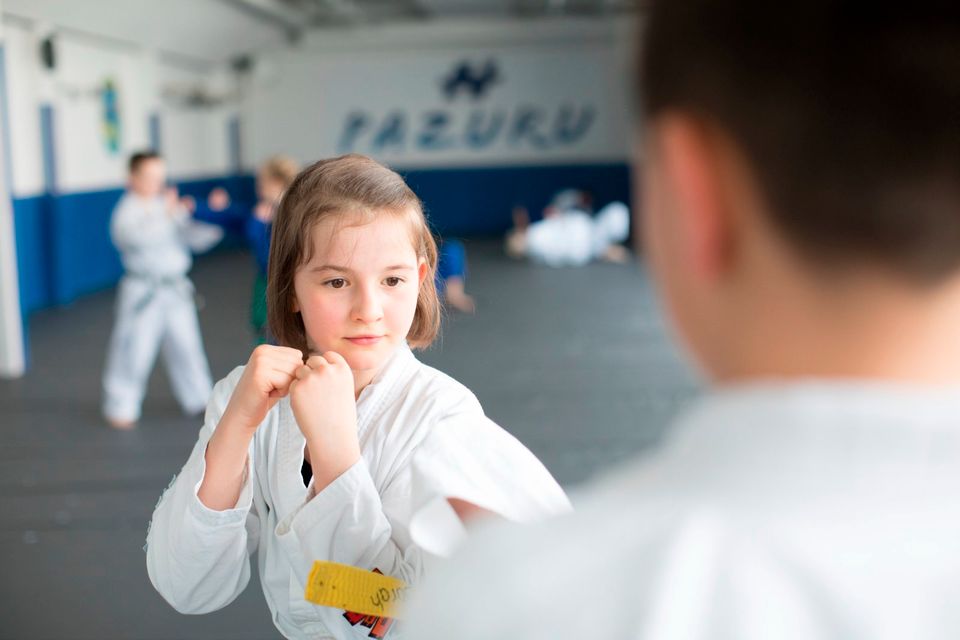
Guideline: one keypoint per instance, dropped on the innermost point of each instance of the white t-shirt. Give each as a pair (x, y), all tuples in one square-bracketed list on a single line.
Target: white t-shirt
[(423, 439), (808, 511)]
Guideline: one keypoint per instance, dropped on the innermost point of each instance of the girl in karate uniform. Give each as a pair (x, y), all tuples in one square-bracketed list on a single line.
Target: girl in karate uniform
[(338, 445)]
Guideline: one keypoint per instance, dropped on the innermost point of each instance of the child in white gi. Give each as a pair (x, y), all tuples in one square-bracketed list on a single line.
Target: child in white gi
[(802, 219), (339, 445), (155, 302), (569, 235)]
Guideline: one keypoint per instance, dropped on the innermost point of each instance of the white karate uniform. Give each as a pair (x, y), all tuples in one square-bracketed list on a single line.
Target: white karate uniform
[(812, 511), (155, 307), (423, 439), (574, 238)]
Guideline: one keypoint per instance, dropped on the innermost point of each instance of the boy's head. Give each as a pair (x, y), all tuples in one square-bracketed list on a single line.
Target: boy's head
[(147, 174), (274, 176), (797, 149)]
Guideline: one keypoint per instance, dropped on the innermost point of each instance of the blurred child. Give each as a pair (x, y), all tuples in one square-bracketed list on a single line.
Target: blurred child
[(452, 276), (338, 445), (273, 178), (155, 304), (802, 220), (569, 235)]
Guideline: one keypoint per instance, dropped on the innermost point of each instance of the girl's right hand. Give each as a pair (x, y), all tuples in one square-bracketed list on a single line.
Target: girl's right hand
[(265, 380)]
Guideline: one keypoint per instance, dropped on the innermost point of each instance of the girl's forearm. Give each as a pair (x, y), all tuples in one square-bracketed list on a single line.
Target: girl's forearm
[(226, 462), (330, 463)]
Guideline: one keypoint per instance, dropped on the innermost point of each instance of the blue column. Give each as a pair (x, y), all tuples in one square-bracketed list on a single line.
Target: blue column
[(154, 128), (236, 150)]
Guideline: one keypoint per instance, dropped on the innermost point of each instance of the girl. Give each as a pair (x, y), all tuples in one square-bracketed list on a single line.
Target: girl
[(339, 445)]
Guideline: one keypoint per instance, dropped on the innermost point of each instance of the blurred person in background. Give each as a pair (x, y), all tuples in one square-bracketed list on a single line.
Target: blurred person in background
[(570, 234), (155, 235)]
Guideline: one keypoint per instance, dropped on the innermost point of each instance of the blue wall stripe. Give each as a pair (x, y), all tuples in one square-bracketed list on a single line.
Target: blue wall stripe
[(478, 201), (30, 218), (63, 241)]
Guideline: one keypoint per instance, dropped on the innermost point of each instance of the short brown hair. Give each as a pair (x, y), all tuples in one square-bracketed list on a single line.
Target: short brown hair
[(282, 169), (355, 188), (138, 158), (849, 118)]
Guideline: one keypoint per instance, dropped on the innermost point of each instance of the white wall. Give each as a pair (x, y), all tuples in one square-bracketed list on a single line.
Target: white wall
[(388, 81), (193, 139), (23, 97), (84, 160)]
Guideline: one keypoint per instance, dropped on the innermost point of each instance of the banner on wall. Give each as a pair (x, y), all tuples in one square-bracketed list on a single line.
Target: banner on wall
[(468, 119), (435, 108), (111, 116)]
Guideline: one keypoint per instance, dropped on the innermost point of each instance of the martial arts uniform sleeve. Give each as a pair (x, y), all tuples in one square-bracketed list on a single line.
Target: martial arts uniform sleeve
[(345, 523), (470, 458), (200, 236), (198, 558)]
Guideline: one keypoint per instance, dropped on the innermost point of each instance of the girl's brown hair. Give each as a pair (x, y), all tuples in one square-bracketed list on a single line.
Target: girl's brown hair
[(353, 189)]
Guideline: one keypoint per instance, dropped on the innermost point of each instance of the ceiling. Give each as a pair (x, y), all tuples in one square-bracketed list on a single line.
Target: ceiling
[(220, 30)]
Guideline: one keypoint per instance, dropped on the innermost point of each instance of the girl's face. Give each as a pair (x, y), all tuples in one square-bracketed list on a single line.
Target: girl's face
[(358, 293)]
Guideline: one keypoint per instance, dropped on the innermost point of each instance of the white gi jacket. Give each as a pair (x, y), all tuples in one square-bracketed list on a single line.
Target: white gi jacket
[(154, 243), (423, 438), (573, 237), (799, 512), (155, 306)]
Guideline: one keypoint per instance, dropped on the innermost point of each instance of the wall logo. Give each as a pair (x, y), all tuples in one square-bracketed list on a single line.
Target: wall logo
[(474, 81), (529, 124)]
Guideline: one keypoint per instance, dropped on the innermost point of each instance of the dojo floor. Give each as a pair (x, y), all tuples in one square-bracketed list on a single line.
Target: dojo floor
[(574, 362)]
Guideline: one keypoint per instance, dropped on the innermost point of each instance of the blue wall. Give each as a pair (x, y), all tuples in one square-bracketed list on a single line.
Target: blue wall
[(479, 201), (31, 221), (63, 241), (64, 249)]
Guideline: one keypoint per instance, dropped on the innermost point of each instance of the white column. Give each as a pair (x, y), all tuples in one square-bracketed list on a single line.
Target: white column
[(12, 363)]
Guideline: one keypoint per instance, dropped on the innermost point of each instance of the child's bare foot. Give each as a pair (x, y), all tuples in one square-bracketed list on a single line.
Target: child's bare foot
[(457, 298), (122, 425)]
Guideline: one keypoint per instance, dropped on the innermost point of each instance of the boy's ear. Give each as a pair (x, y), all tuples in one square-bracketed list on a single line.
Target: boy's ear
[(693, 163)]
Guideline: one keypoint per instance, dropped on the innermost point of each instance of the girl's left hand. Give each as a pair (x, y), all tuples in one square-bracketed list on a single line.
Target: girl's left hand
[(323, 403)]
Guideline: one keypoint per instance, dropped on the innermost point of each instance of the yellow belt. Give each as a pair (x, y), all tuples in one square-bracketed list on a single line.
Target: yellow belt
[(344, 587)]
